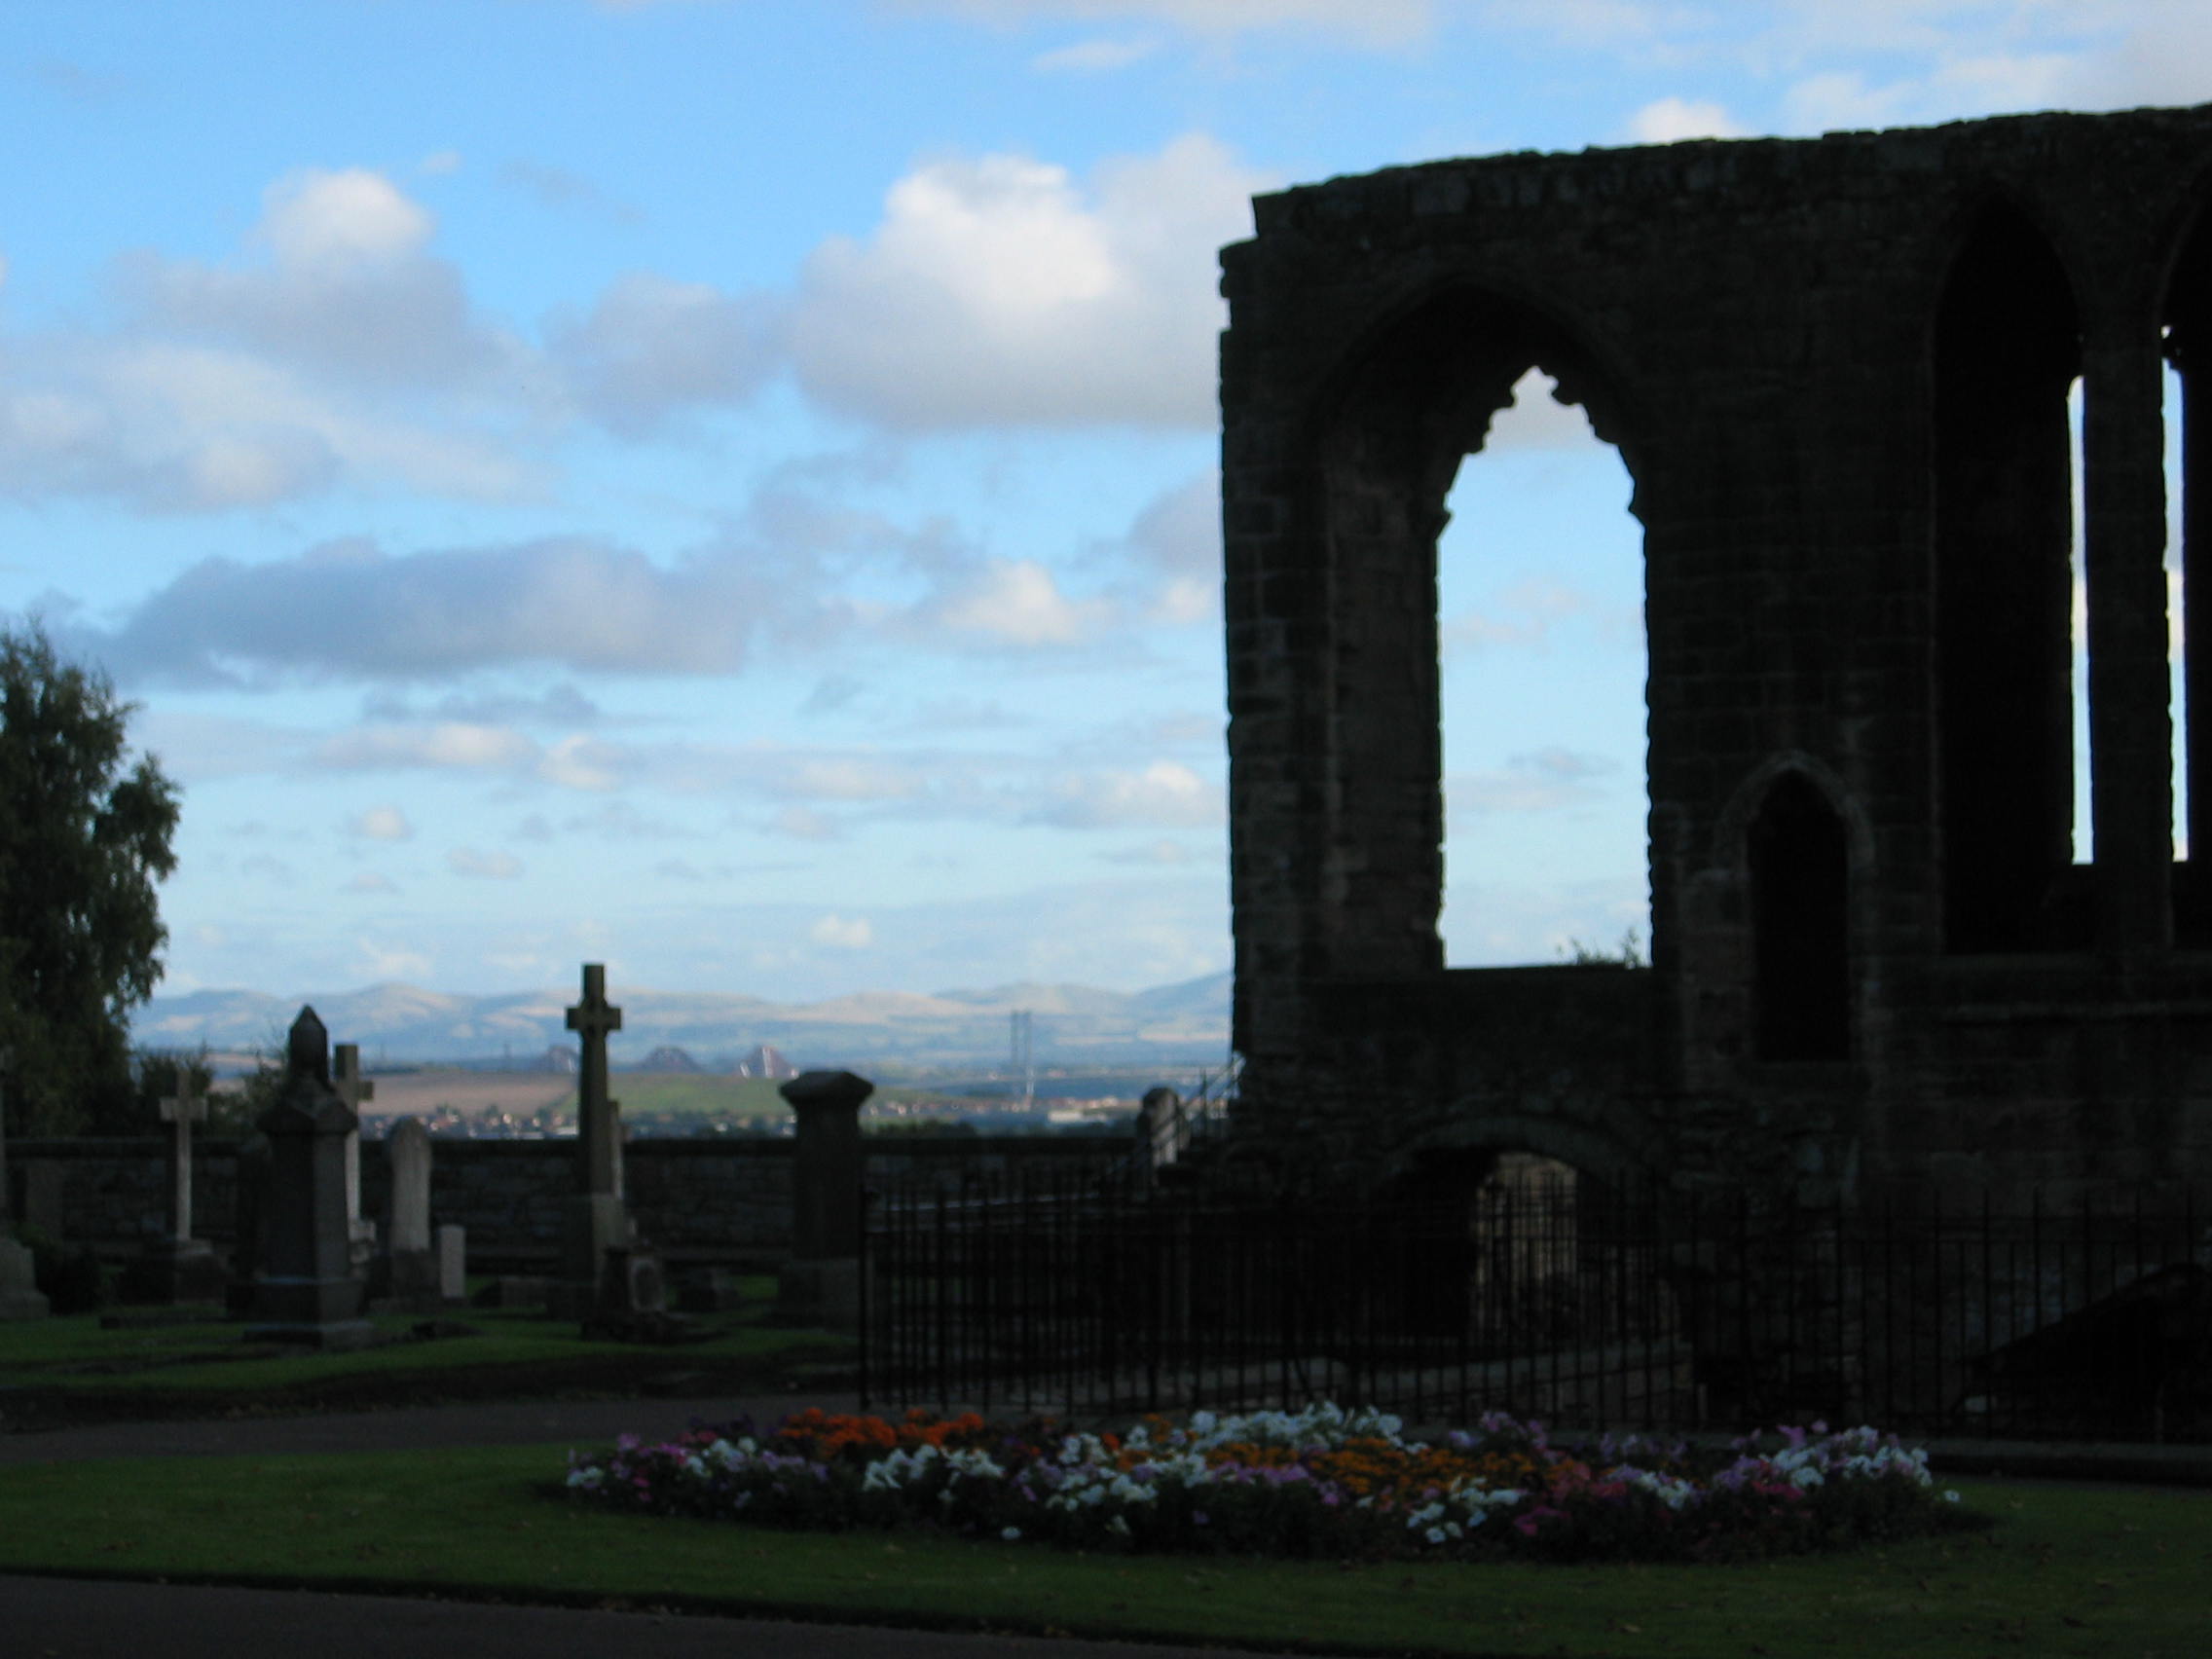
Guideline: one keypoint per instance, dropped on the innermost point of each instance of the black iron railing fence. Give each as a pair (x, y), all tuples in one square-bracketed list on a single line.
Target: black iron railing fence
[(1585, 1305)]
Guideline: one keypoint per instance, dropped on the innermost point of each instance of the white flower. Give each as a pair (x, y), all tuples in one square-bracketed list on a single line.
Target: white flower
[(1011, 1534)]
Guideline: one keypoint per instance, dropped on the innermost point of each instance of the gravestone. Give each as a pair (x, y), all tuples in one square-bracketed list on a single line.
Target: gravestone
[(305, 1291), (1164, 1133), (20, 1294), (820, 1286), (250, 1221), (180, 1267), (452, 1254), (6, 1189), (598, 1219), (353, 1089), (409, 1276)]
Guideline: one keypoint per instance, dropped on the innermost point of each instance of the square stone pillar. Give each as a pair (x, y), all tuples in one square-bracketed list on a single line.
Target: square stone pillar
[(820, 1285)]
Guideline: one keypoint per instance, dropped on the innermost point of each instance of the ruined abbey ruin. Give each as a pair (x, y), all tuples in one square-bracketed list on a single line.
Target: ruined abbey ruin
[(1838, 371)]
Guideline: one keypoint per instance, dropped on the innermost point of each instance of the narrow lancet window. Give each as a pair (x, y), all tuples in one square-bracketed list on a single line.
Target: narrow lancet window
[(1800, 925), (2006, 354)]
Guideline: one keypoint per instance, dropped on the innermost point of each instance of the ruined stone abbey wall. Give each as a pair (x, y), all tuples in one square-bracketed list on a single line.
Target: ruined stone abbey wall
[(1837, 371)]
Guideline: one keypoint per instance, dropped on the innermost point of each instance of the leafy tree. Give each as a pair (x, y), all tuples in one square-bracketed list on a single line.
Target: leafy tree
[(84, 836)]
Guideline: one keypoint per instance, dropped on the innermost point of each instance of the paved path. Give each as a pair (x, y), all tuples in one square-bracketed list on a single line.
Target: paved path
[(62, 1618), (66, 1618)]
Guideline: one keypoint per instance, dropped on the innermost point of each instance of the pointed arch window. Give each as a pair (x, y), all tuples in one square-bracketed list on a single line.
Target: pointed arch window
[(2008, 351), (2187, 322)]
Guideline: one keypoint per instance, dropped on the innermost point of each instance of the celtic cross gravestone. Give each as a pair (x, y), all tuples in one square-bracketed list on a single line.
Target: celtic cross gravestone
[(354, 1090)]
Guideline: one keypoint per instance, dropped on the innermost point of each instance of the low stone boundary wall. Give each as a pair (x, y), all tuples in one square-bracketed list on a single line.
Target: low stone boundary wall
[(700, 1200)]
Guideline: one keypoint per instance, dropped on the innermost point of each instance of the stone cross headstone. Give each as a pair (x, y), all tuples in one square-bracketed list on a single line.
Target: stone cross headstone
[(353, 1089), (305, 1292), (180, 1111), (820, 1285), (177, 1267), (598, 1117), (599, 1220)]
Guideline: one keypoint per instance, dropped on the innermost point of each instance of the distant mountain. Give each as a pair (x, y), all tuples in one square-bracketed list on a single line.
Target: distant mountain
[(1183, 1024)]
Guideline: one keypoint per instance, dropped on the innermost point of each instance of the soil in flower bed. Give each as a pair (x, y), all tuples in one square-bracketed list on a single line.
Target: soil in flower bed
[(1325, 1483)]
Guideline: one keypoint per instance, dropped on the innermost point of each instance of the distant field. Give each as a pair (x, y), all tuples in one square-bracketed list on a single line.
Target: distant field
[(690, 1094), (679, 1094), (419, 1093), (416, 1094)]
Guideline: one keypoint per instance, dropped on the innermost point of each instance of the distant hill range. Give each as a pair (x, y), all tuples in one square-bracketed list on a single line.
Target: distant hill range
[(1075, 1025)]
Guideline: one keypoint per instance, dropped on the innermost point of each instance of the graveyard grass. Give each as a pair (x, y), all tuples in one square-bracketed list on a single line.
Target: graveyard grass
[(514, 1352), (2065, 1571)]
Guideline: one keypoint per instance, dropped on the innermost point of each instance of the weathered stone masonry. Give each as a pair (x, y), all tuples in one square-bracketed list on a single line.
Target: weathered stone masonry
[(1837, 371)]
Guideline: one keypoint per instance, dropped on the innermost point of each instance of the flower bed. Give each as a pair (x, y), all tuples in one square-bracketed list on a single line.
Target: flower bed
[(1324, 1482)]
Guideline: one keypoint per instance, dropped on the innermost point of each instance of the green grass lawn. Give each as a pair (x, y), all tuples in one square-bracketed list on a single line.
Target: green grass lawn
[(2092, 1571), (512, 1352)]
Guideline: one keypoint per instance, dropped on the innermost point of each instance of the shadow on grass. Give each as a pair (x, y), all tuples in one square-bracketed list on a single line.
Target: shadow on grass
[(66, 1371)]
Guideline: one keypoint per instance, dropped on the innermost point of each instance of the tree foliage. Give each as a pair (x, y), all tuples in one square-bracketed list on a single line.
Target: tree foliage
[(84, 834)]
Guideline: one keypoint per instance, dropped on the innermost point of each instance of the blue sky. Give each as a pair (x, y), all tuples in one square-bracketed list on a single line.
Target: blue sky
[(726, 488)]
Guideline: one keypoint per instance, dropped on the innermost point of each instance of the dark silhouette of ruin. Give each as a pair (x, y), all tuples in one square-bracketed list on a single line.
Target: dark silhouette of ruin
[(1838, 371)]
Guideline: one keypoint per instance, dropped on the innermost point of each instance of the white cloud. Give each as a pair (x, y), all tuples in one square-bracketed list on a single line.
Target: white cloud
[(369, 881), (382, 824), (583, 604), (387, 963), (850, 778), (1165, 794), (1958, 86), (313, 218), (997, 290), (1175, 543), (486, 867), (1097, 56), (450, 746), (839, 933), (350, 293), (1367, 22), (1015, 602), (1670, 119), (339, 349), (652, 346)]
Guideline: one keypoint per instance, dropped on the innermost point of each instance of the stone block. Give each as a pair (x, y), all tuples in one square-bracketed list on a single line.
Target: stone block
[(20, 1294), (820, 1294)]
